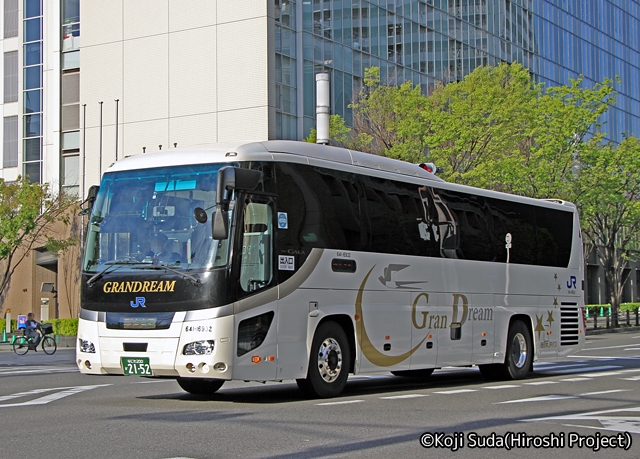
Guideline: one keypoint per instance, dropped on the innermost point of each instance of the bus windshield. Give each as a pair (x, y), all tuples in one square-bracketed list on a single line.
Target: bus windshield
[(146, 217)]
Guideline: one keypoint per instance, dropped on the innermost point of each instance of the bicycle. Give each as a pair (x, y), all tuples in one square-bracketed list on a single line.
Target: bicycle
[(22, 344)]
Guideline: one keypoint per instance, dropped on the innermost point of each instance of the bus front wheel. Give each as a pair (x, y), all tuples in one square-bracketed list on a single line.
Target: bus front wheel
[(200, 386), (329, 362)]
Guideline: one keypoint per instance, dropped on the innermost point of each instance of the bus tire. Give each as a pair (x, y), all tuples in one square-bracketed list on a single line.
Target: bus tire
[(329, 362), (414, 373), (200, 386), (519, 351)]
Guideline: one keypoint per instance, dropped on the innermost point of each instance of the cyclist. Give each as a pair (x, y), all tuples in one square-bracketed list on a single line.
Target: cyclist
[(33, 330)]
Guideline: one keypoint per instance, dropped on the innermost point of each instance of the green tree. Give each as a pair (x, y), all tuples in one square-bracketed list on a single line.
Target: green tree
[(28, 213), (607, 193), (565, 123), (341, 135), (393, 118), (481, 124)]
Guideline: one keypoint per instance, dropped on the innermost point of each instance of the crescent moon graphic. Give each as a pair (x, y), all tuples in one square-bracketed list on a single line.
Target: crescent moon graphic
[(370, 352)]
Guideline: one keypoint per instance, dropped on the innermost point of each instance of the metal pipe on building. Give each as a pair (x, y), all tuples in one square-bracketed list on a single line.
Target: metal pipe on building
[(323, 102), (100, 163)]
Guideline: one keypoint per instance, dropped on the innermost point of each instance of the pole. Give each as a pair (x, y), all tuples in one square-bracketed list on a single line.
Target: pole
[(117, 100), (100, 164), (323, 102)]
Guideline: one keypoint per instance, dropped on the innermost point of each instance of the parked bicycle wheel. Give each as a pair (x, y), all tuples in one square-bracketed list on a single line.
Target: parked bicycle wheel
[(21, 345), (49, 345)]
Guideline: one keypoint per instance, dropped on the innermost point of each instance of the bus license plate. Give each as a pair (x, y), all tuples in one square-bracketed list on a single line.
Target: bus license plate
[(136, 366)]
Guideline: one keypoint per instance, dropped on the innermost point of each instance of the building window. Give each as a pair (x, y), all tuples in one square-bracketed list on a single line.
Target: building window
[(11, 18), (32, 86), (11, 76), (70, 173), (10, 142)]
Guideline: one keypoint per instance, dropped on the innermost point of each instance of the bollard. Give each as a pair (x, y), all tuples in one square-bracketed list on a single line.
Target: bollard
[(4, 336)]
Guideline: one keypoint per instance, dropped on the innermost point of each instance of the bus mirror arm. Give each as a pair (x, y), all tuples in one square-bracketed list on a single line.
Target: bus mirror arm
[(230, 178)]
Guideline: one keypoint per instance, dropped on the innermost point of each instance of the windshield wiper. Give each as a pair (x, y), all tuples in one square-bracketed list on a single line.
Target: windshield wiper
[(118, 264), (159, 267)]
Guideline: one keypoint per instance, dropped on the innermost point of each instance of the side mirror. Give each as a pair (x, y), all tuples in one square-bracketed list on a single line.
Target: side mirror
[(230, 178)]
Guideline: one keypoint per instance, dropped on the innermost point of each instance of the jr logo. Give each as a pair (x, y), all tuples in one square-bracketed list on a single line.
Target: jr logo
[(571, 283), (140, 300)]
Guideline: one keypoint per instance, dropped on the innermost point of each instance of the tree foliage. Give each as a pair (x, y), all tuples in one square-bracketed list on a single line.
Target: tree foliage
[(342, 136), (28, 213), (608, 194)]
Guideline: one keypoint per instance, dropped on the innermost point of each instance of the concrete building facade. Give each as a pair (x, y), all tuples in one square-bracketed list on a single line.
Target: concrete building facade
[(86, 83)]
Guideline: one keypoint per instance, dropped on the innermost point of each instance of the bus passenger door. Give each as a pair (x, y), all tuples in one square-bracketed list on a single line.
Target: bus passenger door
[(257, 334)]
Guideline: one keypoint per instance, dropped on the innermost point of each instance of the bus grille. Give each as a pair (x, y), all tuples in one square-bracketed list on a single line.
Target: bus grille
[(569, 325)]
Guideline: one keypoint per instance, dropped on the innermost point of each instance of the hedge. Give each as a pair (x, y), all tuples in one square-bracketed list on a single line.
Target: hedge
[(64, 327), (629, 306), (3, 324), (595, 308)]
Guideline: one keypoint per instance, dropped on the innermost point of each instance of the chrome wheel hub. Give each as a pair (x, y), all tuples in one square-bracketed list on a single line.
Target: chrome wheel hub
[(329, 360), (519, 350)]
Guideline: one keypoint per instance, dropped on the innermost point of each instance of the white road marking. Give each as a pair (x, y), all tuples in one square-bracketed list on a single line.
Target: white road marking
[(575, 379), (396, 397), (602, 373), (564, 372), (604, 392), (346, 402), (13, 371), (457, 391), (541, 383), (542, 398), (505, 386), (64, 392), (615, 420)]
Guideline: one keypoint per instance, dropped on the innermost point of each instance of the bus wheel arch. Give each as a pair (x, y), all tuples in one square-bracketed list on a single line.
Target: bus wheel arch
[(330, 360)]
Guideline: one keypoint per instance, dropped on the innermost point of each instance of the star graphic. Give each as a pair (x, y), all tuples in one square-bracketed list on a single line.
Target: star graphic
[(555, 276), (559, 288), (539, 326), (550, 317), (555, 302)]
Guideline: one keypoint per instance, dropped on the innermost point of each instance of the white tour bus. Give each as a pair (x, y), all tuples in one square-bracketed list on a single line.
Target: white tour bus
[(268, 261)]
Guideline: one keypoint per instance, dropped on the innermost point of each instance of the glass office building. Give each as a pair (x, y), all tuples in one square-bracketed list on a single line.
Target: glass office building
[(425, 41)]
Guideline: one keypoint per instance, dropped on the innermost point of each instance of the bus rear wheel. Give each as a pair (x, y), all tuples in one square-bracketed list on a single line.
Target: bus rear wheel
[(519, 355), (329, 362), (199, 386)]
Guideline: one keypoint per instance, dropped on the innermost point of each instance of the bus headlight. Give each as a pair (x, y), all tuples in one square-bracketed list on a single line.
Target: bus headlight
[(86, 346), (203, 347)]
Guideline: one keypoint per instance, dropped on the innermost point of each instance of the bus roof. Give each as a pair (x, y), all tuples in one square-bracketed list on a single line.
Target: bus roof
[(306, 153), (272, 150)]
